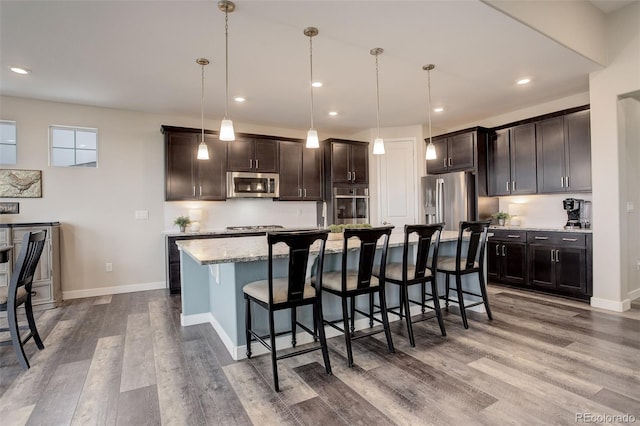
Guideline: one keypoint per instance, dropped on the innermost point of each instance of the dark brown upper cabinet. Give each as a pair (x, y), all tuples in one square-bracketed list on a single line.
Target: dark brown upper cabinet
[(349, 161), (250, 154), (512, 161), (454, 152), (300, 172), (564, 153), (186, 177)]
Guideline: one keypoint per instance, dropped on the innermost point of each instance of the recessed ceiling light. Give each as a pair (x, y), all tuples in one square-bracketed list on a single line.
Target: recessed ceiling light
[(20, 70), (524, 81), (333, 113), (316, 84), (438, 109), (239, 99)]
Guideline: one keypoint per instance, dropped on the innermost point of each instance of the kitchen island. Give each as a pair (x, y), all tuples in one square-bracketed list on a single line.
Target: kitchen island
[(214, 271)]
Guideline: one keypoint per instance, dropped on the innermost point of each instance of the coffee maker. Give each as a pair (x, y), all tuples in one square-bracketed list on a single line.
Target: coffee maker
[(578, 213)]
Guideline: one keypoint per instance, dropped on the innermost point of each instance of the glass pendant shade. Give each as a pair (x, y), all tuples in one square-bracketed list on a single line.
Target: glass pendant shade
[(378, 146), (203, 152), (312, 139), (226, 130), (431, 152)]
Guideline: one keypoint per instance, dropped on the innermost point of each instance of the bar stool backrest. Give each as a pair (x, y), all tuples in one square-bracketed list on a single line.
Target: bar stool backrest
[(428, 235), (368, 241), (299, 243), (476, 233)]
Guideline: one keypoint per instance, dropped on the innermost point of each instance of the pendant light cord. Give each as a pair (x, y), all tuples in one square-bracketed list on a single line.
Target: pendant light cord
[(311, 75), (429, 89), (226, 61), (202, 103), (377, 98)]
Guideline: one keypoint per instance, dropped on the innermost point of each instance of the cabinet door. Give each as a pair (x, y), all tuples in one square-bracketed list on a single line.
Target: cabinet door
[(541, 265), (514, 263), (240, 155), (180, 153), (551, 162), (359, 164), (493, 261), (522, 147), (340, 162), (577, 132), (498, 175), (571, 269), (291, 170), (266, 156), (212, 178), (439, 165), (460, 151), (311, 174)]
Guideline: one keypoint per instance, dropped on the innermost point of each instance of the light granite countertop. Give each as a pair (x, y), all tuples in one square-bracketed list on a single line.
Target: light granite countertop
[(224, 231), (544, 229), (249, 249)]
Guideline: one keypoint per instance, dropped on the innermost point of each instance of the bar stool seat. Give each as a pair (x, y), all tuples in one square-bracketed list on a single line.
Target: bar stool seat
[(333, 281), (448, 263), (259, 290)]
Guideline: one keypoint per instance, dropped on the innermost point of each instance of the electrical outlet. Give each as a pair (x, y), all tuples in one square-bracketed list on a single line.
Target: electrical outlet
[(299, 211), (142, 214), (109, 267)]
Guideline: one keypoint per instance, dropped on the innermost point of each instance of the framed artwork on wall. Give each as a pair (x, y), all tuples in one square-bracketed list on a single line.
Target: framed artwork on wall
[(9, 208), (20, 183)]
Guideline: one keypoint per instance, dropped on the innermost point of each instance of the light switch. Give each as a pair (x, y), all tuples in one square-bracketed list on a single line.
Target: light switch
[(142, 214), (630, 207)]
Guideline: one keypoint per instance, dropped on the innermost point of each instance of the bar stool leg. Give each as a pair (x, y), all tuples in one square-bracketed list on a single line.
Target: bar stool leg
[(347, 334), (463, 312), (385, 318), (485, 297), (353, 314), (436, 306), (446, 297), (32, 325), (294, 312), (424, 301), (274, 363), (318, 324), (247, 321), (405, 296), (370, 310)]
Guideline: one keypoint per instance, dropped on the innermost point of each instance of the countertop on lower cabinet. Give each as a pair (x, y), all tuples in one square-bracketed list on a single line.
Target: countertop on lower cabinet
[(540, 228)]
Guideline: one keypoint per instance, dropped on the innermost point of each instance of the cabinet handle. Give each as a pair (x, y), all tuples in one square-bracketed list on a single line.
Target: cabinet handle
[(444, 163), (541, 238), (201, 190), (561, 181), (299, 192), (513, 185), (552, 259), (257, 162), (194, 190), (497, 249), (354, 176), (450, 162), (513, 236), (566, 181), (569, 239), (557, 256), (504, 248), (507, 186), (250, 163), (349, 176), (305, 193)]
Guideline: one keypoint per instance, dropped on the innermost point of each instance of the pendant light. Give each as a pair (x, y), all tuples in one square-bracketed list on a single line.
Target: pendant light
[(226, 126), (378, 143), (312, 134), (203, 152), (431, 148)]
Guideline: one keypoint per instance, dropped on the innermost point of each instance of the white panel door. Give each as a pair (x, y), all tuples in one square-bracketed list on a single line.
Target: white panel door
[(398, 184)]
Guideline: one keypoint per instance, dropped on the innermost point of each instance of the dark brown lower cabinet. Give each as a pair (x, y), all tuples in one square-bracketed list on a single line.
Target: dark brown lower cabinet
[(554, 262)]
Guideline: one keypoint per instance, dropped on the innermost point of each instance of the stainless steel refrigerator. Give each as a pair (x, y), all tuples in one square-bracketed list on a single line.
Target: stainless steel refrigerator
[(449, 198)]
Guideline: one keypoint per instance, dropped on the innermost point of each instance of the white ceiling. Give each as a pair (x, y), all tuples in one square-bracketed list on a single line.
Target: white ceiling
[(140, 55)]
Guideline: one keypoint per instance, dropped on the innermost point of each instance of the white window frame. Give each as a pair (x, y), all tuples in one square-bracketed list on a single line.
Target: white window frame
[(14, 144), (75, 148)]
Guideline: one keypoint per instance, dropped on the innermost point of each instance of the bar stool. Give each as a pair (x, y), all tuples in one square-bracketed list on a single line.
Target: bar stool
[(472, 262), (274, 294), (419, 270), (349, 283)]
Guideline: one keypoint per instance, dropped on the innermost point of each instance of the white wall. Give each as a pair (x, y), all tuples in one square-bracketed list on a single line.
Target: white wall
[(622, 76), (96, 205)]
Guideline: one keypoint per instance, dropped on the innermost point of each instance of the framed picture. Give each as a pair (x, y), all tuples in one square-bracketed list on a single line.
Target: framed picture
[(20, 183)]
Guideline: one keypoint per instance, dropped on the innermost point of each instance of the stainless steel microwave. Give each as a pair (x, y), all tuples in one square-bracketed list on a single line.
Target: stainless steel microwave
[(252, 185)]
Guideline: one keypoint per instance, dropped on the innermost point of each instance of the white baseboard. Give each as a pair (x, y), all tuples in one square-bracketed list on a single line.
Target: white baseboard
[(634, 294), (104, 291), (611, 305), (187, 320)]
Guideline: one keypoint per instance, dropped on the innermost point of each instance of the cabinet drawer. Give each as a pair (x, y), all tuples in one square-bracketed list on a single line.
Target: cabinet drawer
[(43, 294), (508, 235), (557, 238)]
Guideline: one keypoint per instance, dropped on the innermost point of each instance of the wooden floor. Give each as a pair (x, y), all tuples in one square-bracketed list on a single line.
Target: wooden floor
[(125, 359)]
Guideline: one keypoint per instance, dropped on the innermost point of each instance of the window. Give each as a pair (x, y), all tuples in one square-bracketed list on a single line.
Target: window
[(73, 146), (8, 147)]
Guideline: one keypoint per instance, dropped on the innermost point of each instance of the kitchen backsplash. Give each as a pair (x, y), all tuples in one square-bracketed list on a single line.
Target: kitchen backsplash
[(218, 215), (542, 210)]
